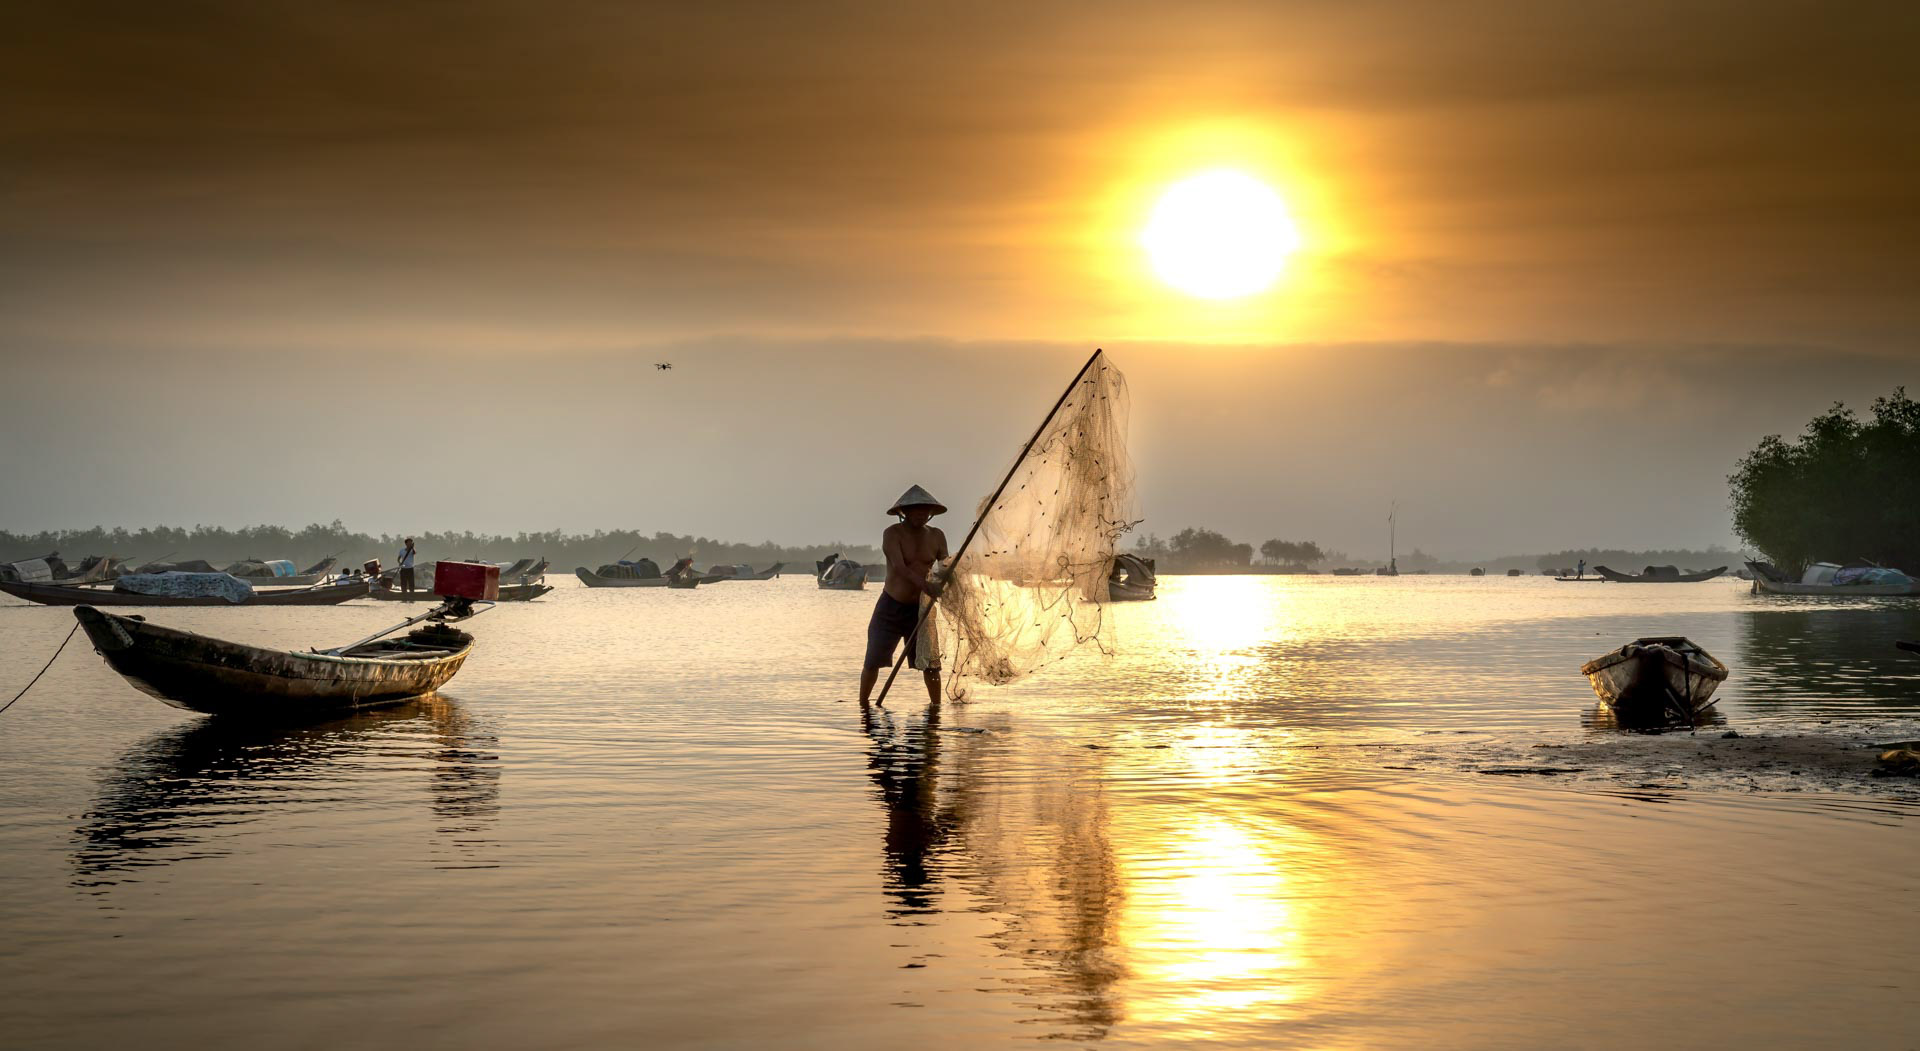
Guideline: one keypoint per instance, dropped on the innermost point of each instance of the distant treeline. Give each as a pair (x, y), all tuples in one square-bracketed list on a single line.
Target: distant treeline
[(1846, 490), (220, 545), (1202, 550)]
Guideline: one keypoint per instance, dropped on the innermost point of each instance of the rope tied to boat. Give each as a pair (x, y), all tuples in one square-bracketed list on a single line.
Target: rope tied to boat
[(43, 670)]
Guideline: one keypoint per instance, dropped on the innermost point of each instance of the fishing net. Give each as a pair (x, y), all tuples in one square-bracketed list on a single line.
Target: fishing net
[(1032, 586)]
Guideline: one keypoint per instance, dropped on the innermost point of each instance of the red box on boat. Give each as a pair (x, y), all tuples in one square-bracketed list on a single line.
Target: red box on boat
[(371, 566), (474, 580)]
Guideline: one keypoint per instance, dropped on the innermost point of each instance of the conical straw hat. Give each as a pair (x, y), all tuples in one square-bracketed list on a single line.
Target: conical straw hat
[(917, 497)]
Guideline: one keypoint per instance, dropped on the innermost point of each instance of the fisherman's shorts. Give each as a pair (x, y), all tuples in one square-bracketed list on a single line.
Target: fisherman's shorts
[(892, 622)]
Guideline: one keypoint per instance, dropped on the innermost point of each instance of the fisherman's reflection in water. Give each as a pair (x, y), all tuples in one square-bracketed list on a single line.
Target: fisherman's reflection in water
[(1032, 851), (178, 795), (904, 763)]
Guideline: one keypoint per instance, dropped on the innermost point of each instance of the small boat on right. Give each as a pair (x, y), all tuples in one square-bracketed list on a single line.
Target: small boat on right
[(1132, 579), (834, 573), (1658, 575), (1828, 578), (1666, 678)]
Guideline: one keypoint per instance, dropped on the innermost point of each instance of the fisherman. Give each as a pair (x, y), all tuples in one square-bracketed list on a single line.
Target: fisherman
[(406, 567), (1581, 570), (913, 548)]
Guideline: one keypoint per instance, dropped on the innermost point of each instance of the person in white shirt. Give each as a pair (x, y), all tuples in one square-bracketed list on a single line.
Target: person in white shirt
[(406, 567)]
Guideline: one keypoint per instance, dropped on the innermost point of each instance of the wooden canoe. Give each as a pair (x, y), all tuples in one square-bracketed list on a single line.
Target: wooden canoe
[(508, 593), (64, 595), (1641, 578), (595, 580), (204, 674), (1657, 679)]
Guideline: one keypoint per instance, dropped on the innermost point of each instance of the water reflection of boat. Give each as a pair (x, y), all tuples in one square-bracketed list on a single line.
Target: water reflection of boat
[(1652, 679), (184, 793), (1824, 661)]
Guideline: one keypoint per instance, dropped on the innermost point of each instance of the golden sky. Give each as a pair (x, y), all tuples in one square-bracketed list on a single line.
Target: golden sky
[(519, 176), (1541, 242)]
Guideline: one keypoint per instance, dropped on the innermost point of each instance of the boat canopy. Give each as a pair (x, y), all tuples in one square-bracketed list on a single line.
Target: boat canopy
[(32, 571), (841, 569), (186, 585), (639, 569), (1870, 575), (276, 567), (1820, 573), (1132, 569)]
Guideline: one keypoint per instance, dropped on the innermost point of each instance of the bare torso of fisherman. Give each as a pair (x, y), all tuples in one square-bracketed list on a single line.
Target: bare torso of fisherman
[(910, 552)]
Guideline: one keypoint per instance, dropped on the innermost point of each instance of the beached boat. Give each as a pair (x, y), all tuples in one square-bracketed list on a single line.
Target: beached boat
[(840, 574), (1828, 578), (1132, 579), (120, 595), (1656, 679), (1516, 573), (1658, 575), (204, 674), (1478, 572), (508, 593)]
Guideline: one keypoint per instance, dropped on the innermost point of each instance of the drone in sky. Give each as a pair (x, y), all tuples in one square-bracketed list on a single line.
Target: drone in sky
[(663, 365)]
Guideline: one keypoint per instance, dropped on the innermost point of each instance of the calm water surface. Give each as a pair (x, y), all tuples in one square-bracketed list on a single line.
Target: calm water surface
[(1279, 818)]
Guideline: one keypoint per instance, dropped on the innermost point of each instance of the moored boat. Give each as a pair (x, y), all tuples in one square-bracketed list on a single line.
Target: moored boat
[(125, 592), (279, 572), (508, 593), (1828, 578), (639, 573), (1132, 579), (1658, 575), (204, 674), (840, 574), (1657, 679), (714, 574), (644, 573)]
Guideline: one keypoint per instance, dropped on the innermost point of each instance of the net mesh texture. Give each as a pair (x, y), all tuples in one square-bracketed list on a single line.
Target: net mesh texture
[(1031, 588)]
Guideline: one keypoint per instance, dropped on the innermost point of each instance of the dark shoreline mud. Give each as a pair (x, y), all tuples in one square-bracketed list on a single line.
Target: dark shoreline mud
[(1711, 759)]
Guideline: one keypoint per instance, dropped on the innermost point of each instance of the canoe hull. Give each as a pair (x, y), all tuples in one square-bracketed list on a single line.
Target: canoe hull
[(857, 582), (1656, 680), (202, 674), (61, 595), (1635, 578), (508, 593), (595, 580)]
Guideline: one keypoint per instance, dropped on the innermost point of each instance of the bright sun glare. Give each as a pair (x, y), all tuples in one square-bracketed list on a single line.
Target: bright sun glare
[(1220, 235)]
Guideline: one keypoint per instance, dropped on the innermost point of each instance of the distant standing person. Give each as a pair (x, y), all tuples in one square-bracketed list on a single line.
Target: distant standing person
[(912, 548), (1581, 570), (406, 567)]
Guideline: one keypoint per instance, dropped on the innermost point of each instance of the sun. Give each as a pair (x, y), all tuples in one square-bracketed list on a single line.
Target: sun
[(1221, 234)]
